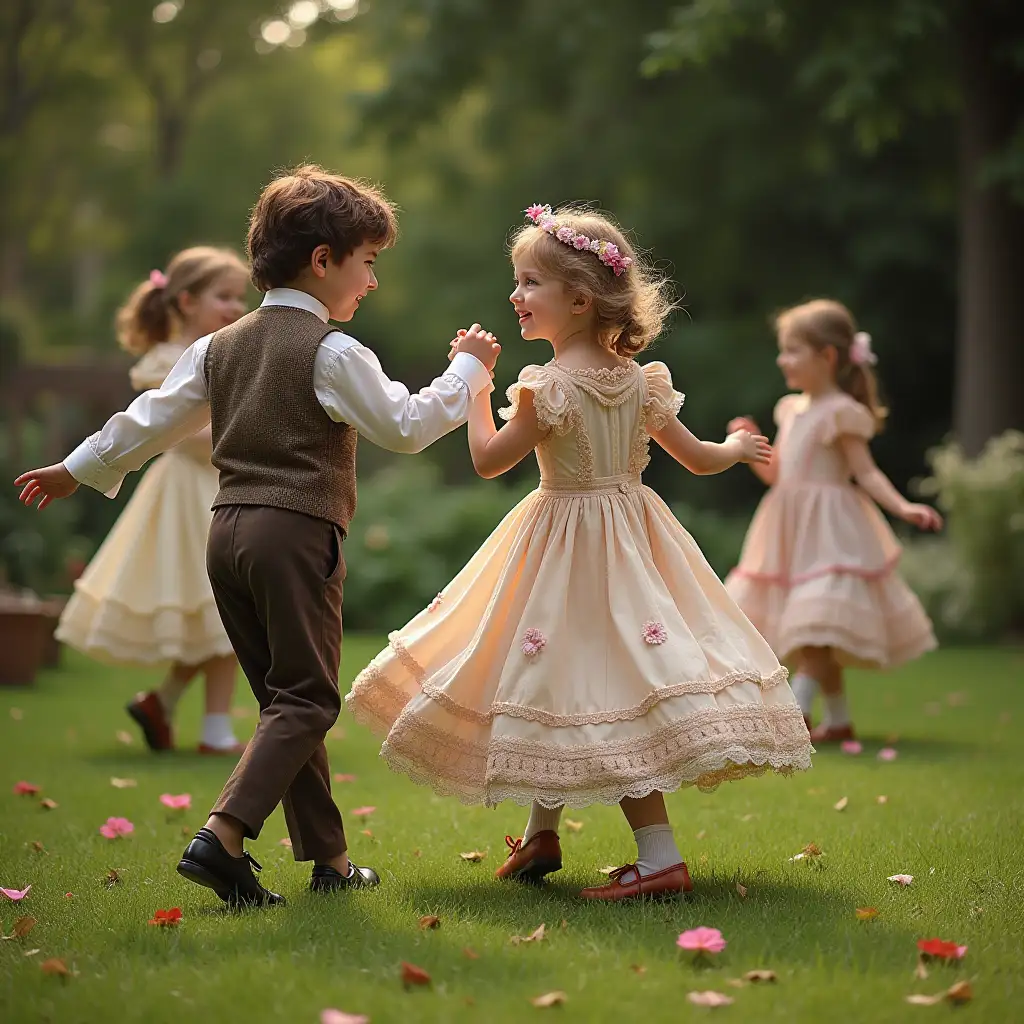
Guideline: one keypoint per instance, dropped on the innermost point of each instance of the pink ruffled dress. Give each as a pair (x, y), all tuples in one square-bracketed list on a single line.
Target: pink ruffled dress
[(587, 652), (818, 567)]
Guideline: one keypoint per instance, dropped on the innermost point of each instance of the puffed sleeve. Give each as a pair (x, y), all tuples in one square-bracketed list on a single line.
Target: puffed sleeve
[(785, 407), (152, 369), (549, 400), (663, 401), (847, 416)]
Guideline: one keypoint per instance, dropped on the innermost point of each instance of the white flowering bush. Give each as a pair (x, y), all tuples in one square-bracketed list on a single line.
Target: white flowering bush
[(972, 578)]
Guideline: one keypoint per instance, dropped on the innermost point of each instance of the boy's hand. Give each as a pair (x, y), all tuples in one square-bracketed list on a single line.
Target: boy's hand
[(47, 484), (751, 447), (742, 423), (480, 343), (924, 517)]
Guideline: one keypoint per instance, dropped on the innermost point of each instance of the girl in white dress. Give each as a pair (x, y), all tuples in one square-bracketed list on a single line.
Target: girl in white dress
[(145, 598), (587, 653)]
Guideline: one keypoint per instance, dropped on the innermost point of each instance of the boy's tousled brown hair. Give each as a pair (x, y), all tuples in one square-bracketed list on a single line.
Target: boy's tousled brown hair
[(309, 207), (151, 313), (632, 308), (825, 323)]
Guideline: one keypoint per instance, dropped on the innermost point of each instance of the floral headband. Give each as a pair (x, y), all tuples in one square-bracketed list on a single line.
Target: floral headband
[(607, 252)]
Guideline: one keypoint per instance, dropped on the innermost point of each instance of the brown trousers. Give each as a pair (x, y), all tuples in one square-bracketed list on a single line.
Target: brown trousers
[(277, 577)]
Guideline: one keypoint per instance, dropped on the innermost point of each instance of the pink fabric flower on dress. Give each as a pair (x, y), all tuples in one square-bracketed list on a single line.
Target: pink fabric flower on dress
[(181, 802), (435, 604), (702, 940), (850, 747), (654, 633), (16, 894), (114, 828), (534, 642)]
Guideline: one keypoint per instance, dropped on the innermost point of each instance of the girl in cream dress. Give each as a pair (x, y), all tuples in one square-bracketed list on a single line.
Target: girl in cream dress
[(587, 653), (145, 597), (817, 575)]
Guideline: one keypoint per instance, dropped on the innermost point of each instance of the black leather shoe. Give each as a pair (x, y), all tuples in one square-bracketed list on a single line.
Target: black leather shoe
[(206, 862), (326, 879)]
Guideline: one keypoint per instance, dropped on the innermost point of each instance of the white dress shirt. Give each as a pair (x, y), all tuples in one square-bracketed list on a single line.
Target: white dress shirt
[(348, 382)]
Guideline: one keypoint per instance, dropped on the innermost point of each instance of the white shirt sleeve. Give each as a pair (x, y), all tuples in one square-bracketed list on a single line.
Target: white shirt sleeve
[(155, 421), (352, 388)]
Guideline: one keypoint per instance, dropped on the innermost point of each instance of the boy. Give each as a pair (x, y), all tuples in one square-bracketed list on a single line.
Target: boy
[(286, 394)]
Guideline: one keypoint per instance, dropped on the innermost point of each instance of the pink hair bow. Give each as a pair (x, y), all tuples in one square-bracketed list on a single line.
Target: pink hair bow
[(158, 279), (860, 350)]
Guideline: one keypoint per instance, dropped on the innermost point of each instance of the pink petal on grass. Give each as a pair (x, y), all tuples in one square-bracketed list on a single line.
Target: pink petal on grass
[(16, 894), (702, 940), (850, 747), (332, 1016), (901, 879), (181, 802), (344, 777), (887, 754), (114, 828), (363, 812), (25, 788)]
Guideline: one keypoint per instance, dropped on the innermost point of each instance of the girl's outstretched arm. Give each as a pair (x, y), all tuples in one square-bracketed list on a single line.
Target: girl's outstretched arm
[(707, 457), (879, 487), (766, 472), (497, 451)]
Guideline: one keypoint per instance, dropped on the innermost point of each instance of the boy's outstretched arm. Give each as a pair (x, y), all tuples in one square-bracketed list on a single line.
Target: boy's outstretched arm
[(352, 388), (155, 421)]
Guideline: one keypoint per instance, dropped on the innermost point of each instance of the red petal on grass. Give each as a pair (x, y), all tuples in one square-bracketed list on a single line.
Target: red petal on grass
[(940, 949), (166, 918), (413, 975), (548, 1000), (430, 921), (25, 788)]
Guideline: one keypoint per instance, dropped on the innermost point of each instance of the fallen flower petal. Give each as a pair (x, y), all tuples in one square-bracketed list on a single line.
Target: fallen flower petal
[(25, 788), (535, 936), (840, 805), (344, 777), (48, 805), (413, 975), (810, 852), (939, 949), (16, 894), (709, 999), (123, 783), (850, 747), (474, 856), (887, 754), (901, 879), (54, 966), (866, 913), (38, 846), (21, 928), (332, 1016), (881, 799), (741, 889), (756, 976), (961, 992), (31, 952), (366, 832), (430, 921), (114, 828), (124, 737), (470, 954), (549, 999), (922, 1000), (166, 918), (702, 940), (363, 812), (179, 802)]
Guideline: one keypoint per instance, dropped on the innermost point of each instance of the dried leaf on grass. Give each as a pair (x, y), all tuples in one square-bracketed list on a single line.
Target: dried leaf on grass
[(638, 968), (881, 799), (902, 880), (366, 832), (866, 913), (702, 833), (920, 971), (413, 975), (21, 928), (812, 851), (470, 954), (112, 878), (125, 737), (607, 870), (430, 921), (48, 805), (536, 935), (573, 826), (38, 846), (473, 856), (55, 966), (31, 952), (741, 889), (957, 994), (840, 805), (761, 975), (122, 783), (549, 999), (712, 999)]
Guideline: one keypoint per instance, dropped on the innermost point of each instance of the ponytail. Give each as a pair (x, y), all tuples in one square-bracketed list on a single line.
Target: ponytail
[(145, 319)]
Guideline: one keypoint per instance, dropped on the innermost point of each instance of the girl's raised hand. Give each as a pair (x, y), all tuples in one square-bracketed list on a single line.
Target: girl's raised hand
[(47, 484), (924, 517), (752, 447)]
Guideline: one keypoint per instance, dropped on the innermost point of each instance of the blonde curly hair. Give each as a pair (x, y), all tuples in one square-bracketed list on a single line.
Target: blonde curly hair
[(631, 308)]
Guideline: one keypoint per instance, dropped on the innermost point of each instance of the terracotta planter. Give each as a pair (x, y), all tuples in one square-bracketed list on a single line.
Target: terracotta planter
[(23, 634)]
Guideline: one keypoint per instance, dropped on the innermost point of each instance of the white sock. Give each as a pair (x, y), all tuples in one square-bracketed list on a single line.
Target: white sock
[(836, 712), (804, 689), (655, 849), (541, 819), (217, 731)]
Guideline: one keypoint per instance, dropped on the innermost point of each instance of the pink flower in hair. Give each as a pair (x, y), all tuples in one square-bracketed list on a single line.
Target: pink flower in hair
[(534, 642), (860, 350), (581, 242), (158, 279), (565, 234), (536, 211), (654, 633)]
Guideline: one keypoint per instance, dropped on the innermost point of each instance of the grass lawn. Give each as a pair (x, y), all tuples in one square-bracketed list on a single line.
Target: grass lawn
[(953, 819)]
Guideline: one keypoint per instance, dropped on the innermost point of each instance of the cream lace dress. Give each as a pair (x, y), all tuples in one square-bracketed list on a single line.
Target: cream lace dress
[(819, 562), (145, 597), (587, 652)]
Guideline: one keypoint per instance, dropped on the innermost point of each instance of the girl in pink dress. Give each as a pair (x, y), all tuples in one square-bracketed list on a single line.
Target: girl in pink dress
[(587, 653), (817, 575)]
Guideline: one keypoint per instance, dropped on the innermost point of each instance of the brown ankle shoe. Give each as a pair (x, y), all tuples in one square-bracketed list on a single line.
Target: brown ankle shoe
[(530, 862), (832, 734), (627, 883), (148, 711)]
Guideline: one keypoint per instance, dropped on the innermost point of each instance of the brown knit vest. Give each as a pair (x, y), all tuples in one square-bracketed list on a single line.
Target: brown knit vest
[(272, 441)]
